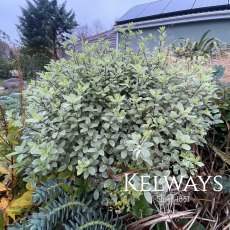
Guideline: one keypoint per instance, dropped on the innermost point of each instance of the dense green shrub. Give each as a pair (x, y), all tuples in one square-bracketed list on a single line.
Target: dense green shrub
[(33, 61), (7, 61), (6, 66), (102, 113)]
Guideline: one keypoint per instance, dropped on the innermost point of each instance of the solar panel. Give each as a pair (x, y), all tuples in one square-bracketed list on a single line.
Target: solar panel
[(161, 7), (154, 8), (178, 5), (209, 3), (133, 12)]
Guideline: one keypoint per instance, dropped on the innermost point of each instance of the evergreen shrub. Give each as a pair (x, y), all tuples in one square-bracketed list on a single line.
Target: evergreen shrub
[(103, 112)]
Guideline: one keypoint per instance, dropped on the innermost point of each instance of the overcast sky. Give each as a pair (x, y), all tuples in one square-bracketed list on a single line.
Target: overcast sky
[(107, 11)]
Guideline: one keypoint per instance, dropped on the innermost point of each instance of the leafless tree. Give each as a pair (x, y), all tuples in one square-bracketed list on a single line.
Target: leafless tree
[(97, 26), (84, 31)]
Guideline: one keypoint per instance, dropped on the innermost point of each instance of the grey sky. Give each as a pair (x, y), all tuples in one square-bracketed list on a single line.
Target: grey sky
[(107, 11)]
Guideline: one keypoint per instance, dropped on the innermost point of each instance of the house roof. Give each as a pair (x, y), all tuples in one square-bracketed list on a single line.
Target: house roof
[(109, 35), (170, 8)]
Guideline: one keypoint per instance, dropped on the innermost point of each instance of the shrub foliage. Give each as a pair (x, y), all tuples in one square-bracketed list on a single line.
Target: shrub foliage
[(104, 112)]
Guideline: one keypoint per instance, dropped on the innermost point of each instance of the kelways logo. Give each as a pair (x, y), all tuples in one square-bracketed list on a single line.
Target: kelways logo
[(184, 184)]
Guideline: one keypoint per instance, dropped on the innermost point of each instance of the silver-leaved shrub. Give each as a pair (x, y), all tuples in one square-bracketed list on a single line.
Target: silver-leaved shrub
[(102, 112)]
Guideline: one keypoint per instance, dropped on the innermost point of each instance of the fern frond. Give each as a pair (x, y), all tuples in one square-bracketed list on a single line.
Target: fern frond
[(49, 190), (60, 210), (53, 215), (94, 221)]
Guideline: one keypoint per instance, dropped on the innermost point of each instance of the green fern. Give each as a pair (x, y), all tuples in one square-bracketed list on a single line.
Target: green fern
[(60, 210), (69, 215), (49, 190), (94, 221), (53, 214)]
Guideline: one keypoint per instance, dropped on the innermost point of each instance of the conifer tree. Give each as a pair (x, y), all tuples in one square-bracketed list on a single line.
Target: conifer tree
[(44, 24)]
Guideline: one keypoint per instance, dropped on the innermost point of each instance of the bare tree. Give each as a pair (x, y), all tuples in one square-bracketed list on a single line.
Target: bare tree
[(84, 31), (97, 26)]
